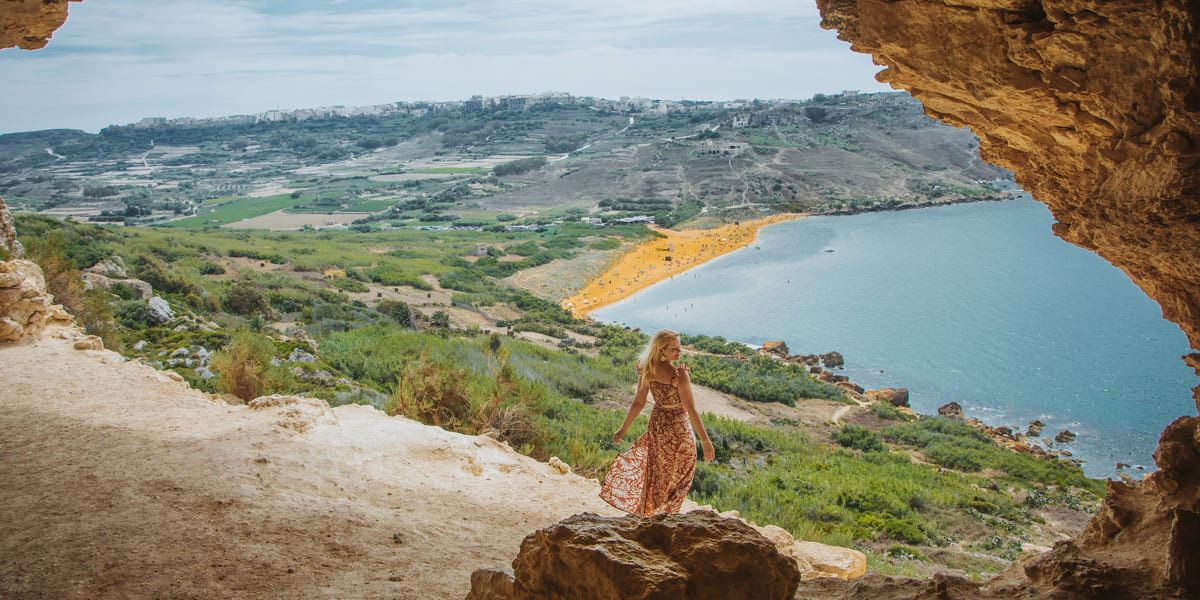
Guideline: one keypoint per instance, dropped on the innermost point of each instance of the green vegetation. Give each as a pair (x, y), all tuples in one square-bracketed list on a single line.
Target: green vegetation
[(518, 167), (236, 210), (957, 445), (714, 344), (760, 379)]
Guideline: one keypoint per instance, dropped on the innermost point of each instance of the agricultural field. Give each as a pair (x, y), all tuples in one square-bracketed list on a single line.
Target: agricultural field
[(547, 162)]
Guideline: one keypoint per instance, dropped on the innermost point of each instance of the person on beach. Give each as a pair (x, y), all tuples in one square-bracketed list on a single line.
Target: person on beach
[(654, 476)]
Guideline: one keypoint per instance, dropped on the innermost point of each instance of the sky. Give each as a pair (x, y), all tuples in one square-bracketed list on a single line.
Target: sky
[(117, 61)]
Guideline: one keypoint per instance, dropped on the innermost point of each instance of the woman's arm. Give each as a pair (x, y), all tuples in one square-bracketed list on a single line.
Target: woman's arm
[(689, 404), (639, 402)]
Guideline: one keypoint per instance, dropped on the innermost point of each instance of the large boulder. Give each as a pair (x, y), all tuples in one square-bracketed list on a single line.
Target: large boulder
[(952, 410), (832, 359), (696, 556), (779, 348), (158, 310), (893, 396), (815, 559), (110, 267), (141, 289)]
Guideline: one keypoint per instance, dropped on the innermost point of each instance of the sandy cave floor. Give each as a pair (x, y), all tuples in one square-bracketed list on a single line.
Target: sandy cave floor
[(118, 482)]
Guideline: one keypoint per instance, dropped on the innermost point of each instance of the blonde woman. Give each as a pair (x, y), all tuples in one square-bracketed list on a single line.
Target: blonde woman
[(654, 476)]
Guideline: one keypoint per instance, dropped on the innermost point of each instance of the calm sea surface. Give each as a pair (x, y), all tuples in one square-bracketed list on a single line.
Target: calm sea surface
[(974, 303)]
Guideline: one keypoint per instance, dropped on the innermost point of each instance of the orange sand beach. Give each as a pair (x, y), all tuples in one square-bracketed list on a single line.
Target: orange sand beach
[(651, 262)]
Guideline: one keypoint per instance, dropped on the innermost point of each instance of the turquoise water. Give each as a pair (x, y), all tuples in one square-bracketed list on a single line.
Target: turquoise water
[(974, 303)]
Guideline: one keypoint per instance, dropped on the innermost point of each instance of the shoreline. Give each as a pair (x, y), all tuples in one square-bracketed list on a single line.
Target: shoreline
[(643, 260), (659, 259)]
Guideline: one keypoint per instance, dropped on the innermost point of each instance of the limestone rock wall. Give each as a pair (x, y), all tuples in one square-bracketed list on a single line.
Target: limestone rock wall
[(25, 305), (28, 24), (1093, 104)]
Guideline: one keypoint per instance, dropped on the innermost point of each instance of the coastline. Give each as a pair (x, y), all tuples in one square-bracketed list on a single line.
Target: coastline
[(656, 260)]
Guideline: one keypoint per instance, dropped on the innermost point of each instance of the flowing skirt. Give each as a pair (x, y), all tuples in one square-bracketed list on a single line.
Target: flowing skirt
[(654, 476)]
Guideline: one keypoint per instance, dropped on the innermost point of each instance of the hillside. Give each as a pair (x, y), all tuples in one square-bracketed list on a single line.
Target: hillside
[(448, 163)]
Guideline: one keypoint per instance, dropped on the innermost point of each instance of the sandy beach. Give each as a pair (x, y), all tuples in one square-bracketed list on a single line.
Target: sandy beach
[(651, 262)]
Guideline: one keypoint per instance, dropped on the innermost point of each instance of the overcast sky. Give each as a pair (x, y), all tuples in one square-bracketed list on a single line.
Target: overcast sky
[(117, 61)]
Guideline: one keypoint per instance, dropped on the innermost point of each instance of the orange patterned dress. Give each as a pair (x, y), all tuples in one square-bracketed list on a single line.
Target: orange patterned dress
[(654, 476)]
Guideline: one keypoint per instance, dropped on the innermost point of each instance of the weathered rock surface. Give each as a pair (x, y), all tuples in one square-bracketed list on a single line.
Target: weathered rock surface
[(851, 386), (1035, 428), (8, 235), (141, 289), (110, 267), (832, 359), (25, 305), (158, 310), (951, 410), (1095, 106), (697, 555), (893, 396), (777, 348), (28, 24), (296, 413)]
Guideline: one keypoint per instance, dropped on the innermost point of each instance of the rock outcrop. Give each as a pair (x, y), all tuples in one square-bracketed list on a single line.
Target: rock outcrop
[(697, 555), (141, 289), (1095, 106), (25, 306), (8, 235), (893, 396), (951, 410), (110, 273), (296, 413), (832, 359), (28, 24)]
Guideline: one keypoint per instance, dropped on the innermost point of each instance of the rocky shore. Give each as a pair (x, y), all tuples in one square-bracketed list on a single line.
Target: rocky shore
[(819, 366), (908, 204)]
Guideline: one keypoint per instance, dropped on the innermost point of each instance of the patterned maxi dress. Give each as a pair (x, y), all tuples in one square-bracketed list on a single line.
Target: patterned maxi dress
[(654, 476)]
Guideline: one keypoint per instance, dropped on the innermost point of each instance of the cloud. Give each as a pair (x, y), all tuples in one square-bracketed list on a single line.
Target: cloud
[(117, 61)]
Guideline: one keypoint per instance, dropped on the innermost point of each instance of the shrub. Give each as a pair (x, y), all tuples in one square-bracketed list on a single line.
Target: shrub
[(398, 311), (518, 167), (886, 411), (440, 318), (859, 438), (244, 367), (245, 297), (163, 278), (606, 244), (62, 278), (349, 285), (211, 268)]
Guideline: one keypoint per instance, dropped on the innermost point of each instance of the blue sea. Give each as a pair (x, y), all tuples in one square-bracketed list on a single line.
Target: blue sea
[(973, 303)]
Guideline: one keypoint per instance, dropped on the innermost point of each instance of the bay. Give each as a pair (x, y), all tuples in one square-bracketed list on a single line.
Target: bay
[(974, 303)]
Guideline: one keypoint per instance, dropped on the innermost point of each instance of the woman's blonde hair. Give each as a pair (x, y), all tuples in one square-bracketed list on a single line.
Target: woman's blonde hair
[(652, 357)]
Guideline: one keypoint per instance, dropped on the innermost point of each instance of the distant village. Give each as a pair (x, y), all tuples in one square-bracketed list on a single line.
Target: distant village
[(645, 106)]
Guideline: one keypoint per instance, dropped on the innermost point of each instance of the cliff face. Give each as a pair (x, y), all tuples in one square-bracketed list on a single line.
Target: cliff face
[(1095, 107), (1093, 104), (28, 24)]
